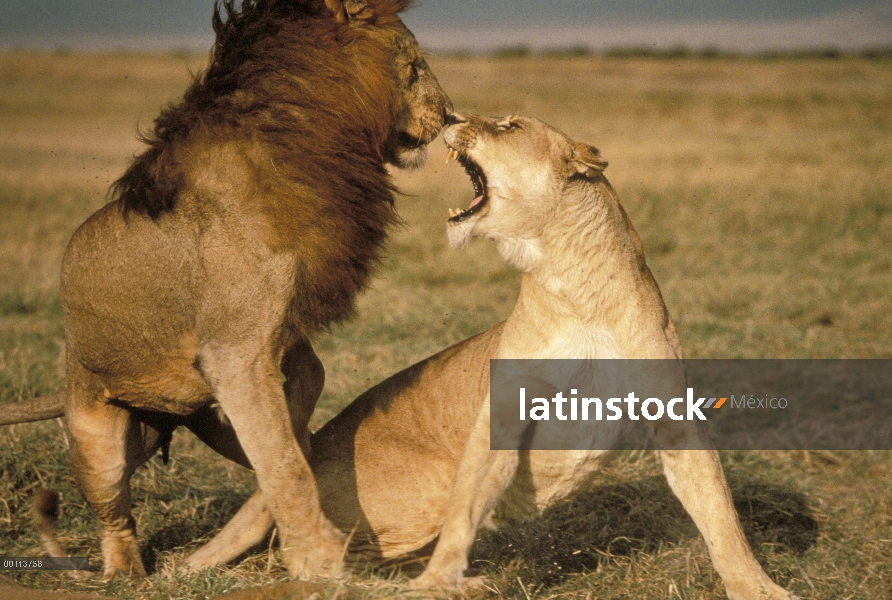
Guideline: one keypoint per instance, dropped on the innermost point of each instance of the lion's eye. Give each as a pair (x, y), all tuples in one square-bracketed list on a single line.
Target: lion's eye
[(414, 69)]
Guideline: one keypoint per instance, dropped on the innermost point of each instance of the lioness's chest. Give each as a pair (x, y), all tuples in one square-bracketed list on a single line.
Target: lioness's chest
[(544, 478)]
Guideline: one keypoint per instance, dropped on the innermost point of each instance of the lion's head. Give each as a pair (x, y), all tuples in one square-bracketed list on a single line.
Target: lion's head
[(343, 81), (421, 105)]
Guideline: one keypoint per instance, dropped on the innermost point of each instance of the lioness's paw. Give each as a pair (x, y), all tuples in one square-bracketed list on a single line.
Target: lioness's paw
[(432, 587), (432, 583), (764, 590)]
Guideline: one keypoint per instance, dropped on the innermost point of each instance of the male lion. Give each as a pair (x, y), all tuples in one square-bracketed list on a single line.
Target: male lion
[(409, 460), (247, 225)]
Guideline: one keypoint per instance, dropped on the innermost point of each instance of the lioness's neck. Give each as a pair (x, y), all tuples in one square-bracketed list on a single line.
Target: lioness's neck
[(592, 270), (588, 249)]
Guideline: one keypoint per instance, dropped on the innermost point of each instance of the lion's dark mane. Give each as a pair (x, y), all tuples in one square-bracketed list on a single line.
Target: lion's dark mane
[(319, 97)]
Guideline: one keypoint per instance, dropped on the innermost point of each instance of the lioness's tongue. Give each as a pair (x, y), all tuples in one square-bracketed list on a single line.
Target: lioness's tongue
[(476, 201)]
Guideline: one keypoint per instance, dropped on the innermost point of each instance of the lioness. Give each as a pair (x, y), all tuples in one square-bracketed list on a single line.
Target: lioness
[(247, 225), (409, 460)]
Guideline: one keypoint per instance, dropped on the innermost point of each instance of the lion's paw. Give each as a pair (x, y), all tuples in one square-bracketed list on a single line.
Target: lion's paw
[(322, 560), (120, 555)]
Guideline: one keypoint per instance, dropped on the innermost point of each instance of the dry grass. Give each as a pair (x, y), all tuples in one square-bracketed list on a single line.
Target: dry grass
[(763, 194)]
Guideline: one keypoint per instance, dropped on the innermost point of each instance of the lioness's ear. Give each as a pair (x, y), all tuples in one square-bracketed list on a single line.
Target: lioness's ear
[(349, 10), (586, 160)]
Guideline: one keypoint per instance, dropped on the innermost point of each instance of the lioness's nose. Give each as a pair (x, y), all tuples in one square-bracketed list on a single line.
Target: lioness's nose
[(456, 118)]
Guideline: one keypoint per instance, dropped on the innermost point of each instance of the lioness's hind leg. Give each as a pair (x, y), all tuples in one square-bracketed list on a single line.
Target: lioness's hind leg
[(244, 531), (107, 445), (697, 479)]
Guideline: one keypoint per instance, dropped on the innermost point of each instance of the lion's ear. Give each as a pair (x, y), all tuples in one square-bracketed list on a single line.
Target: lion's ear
[(349, 10), (586, 160)]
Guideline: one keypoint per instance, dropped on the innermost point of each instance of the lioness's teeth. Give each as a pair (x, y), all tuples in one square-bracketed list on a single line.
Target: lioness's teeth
[(450, 154)]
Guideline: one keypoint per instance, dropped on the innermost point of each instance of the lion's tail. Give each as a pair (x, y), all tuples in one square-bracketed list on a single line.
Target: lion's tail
[(36, 409), (44, 513)]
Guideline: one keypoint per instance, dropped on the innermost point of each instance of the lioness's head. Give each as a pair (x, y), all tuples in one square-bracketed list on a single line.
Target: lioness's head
[(422, 106), (520, 168)]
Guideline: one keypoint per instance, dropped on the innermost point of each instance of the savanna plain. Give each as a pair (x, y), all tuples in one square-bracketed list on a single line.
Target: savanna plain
[(762, 191)]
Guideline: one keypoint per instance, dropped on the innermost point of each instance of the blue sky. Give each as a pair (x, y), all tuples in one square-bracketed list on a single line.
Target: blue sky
[(481, 24)]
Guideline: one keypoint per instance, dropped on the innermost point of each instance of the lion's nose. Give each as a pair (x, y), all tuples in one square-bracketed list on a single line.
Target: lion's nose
[(447, 110)]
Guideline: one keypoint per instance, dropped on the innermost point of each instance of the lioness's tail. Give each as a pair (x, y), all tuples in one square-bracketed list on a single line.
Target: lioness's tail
[(36, 409)]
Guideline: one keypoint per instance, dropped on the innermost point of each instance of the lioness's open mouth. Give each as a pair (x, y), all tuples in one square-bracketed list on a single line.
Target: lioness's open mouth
[(478, 179)]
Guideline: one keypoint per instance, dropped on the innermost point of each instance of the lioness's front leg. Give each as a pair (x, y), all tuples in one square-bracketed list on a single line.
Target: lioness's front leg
[(697, 479), (482, 476), (244, 531)]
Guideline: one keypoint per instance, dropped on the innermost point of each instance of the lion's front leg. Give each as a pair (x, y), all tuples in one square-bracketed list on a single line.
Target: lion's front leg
[(246, 382), (482, 476), (698, 481), (304, 379)]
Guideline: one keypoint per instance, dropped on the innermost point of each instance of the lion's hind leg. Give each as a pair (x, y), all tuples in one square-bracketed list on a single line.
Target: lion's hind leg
[(108, 444)]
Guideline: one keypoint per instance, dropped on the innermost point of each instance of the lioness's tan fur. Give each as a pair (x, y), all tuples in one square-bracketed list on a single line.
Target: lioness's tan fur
[(409, 460), (248, 223)]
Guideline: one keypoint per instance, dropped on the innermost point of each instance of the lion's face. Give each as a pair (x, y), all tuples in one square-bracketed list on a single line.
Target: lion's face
[(422, 104)]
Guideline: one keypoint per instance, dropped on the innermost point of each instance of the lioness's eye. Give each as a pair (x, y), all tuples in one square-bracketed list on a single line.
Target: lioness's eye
[(508, 124)]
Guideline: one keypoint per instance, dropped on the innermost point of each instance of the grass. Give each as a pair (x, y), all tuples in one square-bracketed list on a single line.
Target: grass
[(762, 190)]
